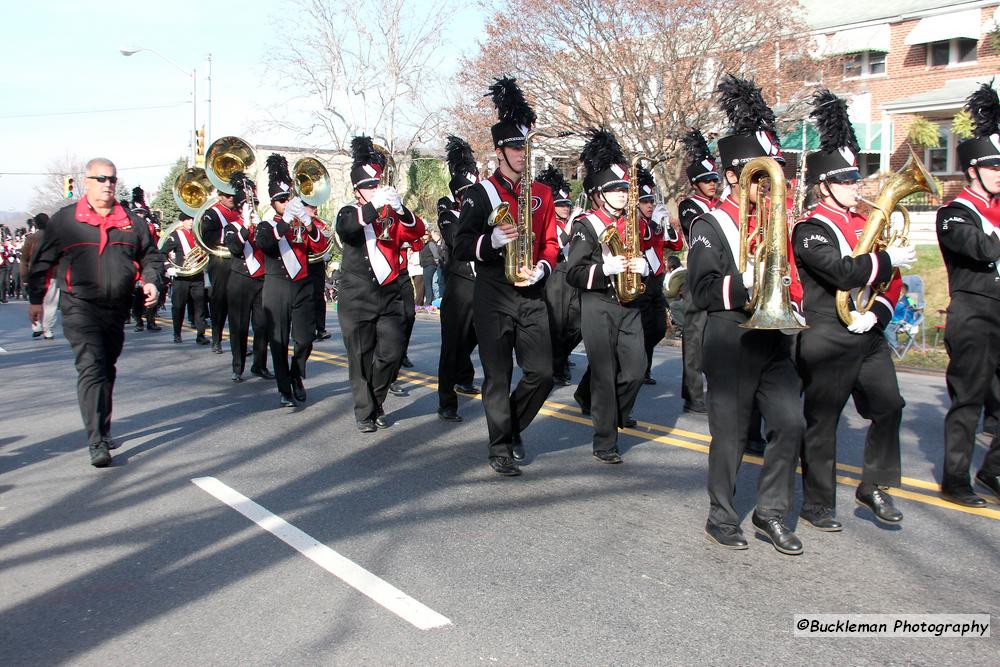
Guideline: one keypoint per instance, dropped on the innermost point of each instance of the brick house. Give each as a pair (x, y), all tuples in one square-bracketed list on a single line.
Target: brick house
[(902, 60)]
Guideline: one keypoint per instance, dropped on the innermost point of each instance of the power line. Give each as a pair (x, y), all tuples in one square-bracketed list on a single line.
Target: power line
[(77, 113)]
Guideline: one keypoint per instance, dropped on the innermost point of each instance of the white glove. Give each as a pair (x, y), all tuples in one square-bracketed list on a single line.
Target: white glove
[(613, 265), (171, 272), (862, 323), (748, 278), (639, 265), (295, 209), (380, 198), (902, 256), (661, 215), (388, 196), (246, 211), (537, 275), (498, 239)]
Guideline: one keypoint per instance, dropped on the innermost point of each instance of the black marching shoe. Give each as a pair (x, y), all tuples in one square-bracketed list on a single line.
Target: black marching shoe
[(201, 340), (140, 327), (396, 389), (756, 447), (730, 537), (177, 339), (504, 465), (696, 407), (286, 401), (648, 379), (381, 421), (100, 457), (879, 502), (237, 378), (517, 448), (962, 495), (367, 426), (629, 422), (991, 482), (298, 390), (562, 380), (822, 519), (36, 334), (780, 535), (262, 373), (467, 389), (608, 456), (449, 415), (217, 348), (153, 327), (406, 363), (322, 335)]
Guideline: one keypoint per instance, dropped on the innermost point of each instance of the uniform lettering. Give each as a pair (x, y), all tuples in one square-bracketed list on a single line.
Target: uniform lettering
[(814, 237), (701, 240)]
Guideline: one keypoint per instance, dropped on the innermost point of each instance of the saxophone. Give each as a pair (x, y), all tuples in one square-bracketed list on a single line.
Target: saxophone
[(628, 285)]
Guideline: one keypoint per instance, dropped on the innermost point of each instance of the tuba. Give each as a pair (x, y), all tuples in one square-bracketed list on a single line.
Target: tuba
[(770, 306), (878, 235), (194, 261), (312, 185), (224, 157), (520, 253), (192, 189)]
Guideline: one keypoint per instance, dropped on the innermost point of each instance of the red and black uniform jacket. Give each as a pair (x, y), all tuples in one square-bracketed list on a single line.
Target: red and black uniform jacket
[(472, 242), (365, 254), (655, 243), (823, 243), (213, 224), (283, 258), (691, 208), (585, 264), (448, 224), (99, 258), (319, 264), (248, 259), (181, 242), (968, 231)]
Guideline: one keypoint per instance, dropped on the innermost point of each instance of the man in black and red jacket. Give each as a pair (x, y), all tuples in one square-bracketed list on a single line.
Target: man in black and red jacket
[(507, 316), (246, 285), (101, 249), (370, 305), (287, 293)]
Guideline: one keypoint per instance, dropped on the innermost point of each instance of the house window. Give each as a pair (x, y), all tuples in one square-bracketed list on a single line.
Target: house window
[(958, 51), (865, 64), (868, 164), (942, 160)]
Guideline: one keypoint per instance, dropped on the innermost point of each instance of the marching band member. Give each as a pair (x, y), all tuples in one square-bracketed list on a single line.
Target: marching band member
[(968, 231), (213, 226), (458, 333), (188, 291), (612, 331), (835, 360), (743, 364), (286, 241), (509, 318), (563, 299), (317, 274), (245, 287), (139, 309), (701, 172), (370, 309)]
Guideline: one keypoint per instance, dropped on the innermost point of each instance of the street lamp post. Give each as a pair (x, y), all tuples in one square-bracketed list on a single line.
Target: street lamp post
[(132, 50)]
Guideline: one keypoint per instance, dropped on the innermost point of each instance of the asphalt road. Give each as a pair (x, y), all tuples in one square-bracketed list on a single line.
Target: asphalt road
[(575, 562)]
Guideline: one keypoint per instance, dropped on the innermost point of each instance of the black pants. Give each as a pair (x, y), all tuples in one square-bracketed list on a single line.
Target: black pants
[(692, 341), (371, 322), (218, 273), (616, 362), (140, 310), (654, 319), (245, 299), (409, 307), (288, 309), (317, 277), (458, 340), (188, 291), (563, 301), (743, 365), (96, 334), (972, 339), (833, 364), (4, 281), (510, 321)]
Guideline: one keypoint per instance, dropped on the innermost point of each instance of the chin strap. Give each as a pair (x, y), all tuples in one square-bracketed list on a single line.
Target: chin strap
[(983, 185), (611, 209), (829, 193)]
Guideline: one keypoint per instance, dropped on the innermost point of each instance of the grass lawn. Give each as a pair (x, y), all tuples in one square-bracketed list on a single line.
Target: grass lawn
[(930, 267)]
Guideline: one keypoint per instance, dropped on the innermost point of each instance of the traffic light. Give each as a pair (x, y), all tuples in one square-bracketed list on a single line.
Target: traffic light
[(68, 186), (199, 148)]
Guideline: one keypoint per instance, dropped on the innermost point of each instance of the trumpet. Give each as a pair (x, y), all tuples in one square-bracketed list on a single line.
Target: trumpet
[(388, 177)]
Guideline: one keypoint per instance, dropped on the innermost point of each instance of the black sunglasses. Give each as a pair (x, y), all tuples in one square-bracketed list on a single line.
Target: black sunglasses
[(104, 179)]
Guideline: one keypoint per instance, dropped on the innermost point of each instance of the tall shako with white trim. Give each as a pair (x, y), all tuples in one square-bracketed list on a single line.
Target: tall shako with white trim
[(458, 333), (968, 231), (509, 317), (743, 366), (612, 332), (370, 307), (833, 359)]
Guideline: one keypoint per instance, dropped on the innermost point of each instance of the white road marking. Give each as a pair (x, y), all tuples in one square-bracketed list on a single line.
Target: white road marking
[(385, 594)]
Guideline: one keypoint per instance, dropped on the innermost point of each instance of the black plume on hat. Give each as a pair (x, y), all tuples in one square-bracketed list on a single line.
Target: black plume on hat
[(984, 107), (833, 122), (279, 180), (510, 103), (743, 104), (363, 152), (647, 184), (604, 160), (552, 177), (459, 155), (696, 146), (138, 197), (240, 183)]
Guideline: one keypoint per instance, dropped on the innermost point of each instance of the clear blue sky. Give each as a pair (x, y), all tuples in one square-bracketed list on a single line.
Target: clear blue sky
[(62, 55)]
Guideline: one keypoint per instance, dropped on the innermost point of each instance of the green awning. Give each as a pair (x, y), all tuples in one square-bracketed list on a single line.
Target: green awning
[(869, 137)]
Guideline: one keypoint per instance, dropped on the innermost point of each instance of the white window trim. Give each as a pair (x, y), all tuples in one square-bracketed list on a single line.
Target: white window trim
[(952, 54), (866, 67), (951, 160)]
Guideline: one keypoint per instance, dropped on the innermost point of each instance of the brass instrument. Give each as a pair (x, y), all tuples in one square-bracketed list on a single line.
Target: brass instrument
[(192, 189), (519, 254), (313, 187), (770, 306), (878, 235), (225, 157), (194, 261), (388, 177)]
